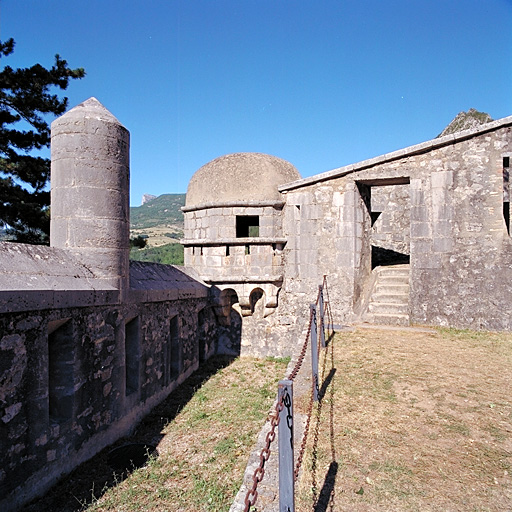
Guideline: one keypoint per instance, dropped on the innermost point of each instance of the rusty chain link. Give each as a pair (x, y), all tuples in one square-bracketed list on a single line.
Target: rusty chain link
[(302, 354), (259, 472), (302, 448)]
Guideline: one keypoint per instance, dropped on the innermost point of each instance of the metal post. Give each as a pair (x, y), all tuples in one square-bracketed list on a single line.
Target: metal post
[(314, 352), (286, 469), (321, 310)]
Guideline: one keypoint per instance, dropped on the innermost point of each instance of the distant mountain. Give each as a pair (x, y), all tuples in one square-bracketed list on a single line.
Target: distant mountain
[(465, 121), (160, 222), (147, 197), (164, 210)]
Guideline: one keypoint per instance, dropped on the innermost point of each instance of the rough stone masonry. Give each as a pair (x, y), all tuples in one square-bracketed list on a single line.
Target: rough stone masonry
[(90, 342)]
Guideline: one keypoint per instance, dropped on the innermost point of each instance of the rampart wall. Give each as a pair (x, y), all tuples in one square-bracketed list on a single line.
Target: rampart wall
[(450, 212)]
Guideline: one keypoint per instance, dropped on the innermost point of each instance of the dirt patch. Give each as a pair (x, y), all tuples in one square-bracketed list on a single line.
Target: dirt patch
[(412, 421)]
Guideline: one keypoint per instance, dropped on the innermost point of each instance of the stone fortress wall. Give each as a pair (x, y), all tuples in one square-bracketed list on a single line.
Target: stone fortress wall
[(446, 210), (90, 342)]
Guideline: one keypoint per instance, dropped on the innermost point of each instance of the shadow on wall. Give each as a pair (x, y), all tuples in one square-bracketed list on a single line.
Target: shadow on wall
[(92, 479), (229, 319), (381, 257)]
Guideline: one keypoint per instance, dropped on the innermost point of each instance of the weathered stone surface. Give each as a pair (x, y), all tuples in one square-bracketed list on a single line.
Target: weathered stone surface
[(240, 177)]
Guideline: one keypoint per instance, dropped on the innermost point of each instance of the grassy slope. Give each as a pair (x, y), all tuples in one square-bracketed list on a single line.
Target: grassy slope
[(163, 210), (162, 213)]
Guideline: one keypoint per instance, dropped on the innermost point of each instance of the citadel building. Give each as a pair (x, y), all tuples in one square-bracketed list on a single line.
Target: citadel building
[(90, 342)]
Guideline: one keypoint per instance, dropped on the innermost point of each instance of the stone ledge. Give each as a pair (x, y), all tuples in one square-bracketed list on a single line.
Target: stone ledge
[(243, 279), (230, 204), (233, 241), (36, 300)]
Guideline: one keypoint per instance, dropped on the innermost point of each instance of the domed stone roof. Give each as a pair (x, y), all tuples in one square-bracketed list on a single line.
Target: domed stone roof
[(240, 177)]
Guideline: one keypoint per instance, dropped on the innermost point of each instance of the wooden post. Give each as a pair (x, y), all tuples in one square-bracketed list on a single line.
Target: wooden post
[(321, 309), (314, 352), (285, 437)]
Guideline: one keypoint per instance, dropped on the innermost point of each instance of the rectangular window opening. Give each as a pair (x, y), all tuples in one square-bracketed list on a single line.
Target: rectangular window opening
[(61, 361), (132, 356), (227, 250), (175, 348), (247, 226)]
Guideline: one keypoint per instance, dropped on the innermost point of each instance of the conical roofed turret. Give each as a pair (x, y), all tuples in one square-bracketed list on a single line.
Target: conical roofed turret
[(90, 188)]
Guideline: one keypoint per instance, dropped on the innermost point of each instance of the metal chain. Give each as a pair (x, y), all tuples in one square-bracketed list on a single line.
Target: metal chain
[(259, 472), (302, 448), (302, 354)]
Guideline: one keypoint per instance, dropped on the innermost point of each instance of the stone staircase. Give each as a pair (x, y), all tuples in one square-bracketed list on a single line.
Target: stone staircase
[(389, 300)]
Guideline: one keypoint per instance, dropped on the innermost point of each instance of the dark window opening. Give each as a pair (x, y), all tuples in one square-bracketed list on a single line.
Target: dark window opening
[(247, 226), (247, 249), (61, 359), (254, 299), (506, 161), (175, 348), (131, 345), (227, 250)]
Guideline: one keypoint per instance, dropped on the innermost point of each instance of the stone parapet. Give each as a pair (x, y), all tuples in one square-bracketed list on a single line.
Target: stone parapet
[(232, 241), (232, 204)]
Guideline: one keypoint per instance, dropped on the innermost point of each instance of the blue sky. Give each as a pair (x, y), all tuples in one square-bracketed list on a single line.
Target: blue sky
[(320, 83)]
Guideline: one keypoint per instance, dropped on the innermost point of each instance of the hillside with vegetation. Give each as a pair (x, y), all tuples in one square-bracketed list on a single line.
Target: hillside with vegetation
[(160, 223), (466, 121)]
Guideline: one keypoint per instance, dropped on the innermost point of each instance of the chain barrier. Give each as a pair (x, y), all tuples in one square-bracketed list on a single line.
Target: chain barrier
[(259, 472)]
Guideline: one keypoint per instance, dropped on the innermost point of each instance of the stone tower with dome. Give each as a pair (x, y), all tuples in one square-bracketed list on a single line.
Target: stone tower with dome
[(233, 230)]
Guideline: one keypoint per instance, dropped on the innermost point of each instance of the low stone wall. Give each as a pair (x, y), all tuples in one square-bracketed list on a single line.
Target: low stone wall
[(75, 379)]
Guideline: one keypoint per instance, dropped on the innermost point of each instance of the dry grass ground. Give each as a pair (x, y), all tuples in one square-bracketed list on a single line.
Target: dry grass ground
[(158, 235), (412, 422), (409, 421), (203, 433)]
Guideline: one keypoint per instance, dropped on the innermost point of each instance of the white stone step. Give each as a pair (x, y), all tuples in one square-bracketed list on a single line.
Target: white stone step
[(386, 319), (388, 308), (385, 296), (394, 279), (391, 289)]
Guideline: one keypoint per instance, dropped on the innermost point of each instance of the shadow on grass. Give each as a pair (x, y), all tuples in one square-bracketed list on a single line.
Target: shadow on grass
[(93, 478), (326, 497)]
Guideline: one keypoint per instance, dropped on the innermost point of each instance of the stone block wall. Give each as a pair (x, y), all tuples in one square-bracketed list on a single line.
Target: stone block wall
[(444, 207), (73, 380), (214, 250)]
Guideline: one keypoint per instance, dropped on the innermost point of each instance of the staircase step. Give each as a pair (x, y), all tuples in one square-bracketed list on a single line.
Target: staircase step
[(388, 308), (400, 298), (387, 288), (392, 279), (394, 270), (386, 319)]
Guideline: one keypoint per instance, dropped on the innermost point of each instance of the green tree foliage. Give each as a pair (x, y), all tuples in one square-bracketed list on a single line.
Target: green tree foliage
[(170, 254), (139, 242), (25, 100)]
